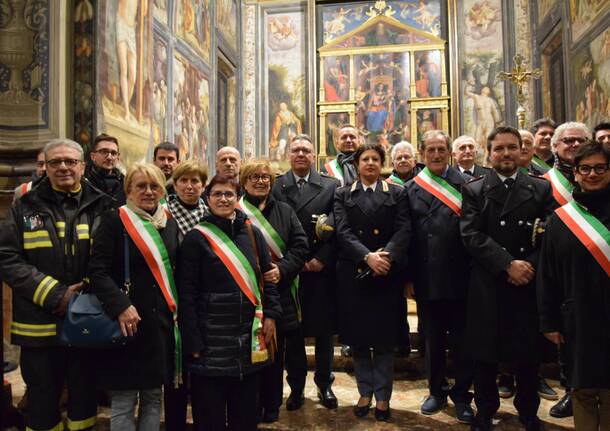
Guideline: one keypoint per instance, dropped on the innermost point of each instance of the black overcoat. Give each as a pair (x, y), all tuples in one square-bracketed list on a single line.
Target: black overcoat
[(317, 292), (438, 261), (496, 227), (146, 362), (574, 296), (371, 313)]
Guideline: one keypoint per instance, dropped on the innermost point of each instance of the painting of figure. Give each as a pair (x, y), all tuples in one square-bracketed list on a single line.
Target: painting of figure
[(336, 79), (193, 25), (427, 119), (232, 111), (226, 21), (585, 14), (591, 81), (334, 121), (286, 66), (159, 92), (544, 7), (428, 73), (191, 109), (161, 10)]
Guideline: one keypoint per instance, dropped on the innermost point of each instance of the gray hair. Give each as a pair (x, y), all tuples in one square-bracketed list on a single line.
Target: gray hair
[(402, 145), (432, 134), (55, 143), (559, 131), (461, 139)]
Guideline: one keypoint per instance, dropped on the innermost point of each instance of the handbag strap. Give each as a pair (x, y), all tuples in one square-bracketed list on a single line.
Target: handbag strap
[(127, 282)]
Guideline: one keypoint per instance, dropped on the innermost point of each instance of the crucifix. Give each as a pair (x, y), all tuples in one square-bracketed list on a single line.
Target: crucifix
[(519, 77)]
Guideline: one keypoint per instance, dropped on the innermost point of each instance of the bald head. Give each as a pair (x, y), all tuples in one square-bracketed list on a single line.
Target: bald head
[(228, 162)]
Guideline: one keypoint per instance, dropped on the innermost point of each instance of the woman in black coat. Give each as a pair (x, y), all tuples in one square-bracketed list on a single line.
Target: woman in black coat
[(373, 229), (218, 315), (287, 242), (146, 362)]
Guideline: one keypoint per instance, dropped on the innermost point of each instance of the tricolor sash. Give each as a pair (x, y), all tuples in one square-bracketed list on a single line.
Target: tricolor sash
[(540, 163), (589, 231), (242, 272), (562, 188), (334, 169), (274, 241), (149, 242), (393, 179), (25, 188), (440, 189)]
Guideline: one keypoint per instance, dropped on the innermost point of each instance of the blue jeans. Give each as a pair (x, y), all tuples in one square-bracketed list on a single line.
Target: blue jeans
[(123, 409)]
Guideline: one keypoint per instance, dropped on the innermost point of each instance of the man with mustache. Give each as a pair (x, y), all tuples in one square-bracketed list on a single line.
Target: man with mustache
[(498, 213), (342, 168)]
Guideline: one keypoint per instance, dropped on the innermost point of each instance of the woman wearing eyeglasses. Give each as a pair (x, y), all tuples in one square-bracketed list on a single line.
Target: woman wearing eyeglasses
[(287, 243), (227, 311), (373, 230)]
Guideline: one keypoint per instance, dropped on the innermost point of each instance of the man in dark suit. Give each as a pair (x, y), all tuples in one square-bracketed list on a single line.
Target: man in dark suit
[(527, 154), (498, 212), (464, 152), (342, 168), (440, 294), (310, 193)]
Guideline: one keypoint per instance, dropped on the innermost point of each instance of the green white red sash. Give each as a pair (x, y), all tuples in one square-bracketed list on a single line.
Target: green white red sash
[(541, 163), (334, 169), (242, 272), (440, 189), (562, 188), (589, 231), (274, 241), (149, 242), (393, 179)]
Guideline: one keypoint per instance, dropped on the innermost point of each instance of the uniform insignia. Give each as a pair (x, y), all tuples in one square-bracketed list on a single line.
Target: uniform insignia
[(472, 180), (33, 222)]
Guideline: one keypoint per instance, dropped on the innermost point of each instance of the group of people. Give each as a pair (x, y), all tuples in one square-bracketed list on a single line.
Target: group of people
[(215, 284)]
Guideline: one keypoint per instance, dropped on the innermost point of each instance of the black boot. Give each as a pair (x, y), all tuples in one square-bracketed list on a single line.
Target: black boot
[(563, 408)]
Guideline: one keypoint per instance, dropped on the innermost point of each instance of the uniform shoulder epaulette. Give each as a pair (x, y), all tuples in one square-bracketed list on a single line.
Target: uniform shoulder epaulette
[(538, 177), (472, 180)]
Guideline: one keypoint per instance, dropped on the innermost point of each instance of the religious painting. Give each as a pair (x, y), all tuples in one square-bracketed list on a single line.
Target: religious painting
[(341, 18), (336, 79), (591, 81), (226, 21), (544, 7), (193, 25), (159, 100), (161, 11), (191, 109), (585, 14), (480, 43), (285, 46), (428, 119), (382, 94), (123, 75), (428, 73), (232, 111)]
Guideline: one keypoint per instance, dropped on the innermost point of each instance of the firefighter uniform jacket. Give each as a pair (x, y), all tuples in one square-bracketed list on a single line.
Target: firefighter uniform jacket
[(42, 253)]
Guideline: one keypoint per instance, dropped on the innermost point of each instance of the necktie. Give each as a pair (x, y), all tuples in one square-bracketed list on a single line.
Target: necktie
[(469, 173), (369, 200), (509, 183), (301, 183)]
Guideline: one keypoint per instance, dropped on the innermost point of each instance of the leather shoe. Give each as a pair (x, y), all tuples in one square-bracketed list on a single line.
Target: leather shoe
[(295, 400), (382, 415), (433, 404), (563, 408), (327, 398), (545, 391), (270, 416), (362, 411), (481, 424), (533, 424), (464, 413), (506, 386)]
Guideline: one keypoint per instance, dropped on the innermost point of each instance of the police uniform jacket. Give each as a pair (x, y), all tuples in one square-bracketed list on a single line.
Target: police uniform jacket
[(438, 262), (318, 289), (496, 227), (41, 255), (574, 296), (371, 311)]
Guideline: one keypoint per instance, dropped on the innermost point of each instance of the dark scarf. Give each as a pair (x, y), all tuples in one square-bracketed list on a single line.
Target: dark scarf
[(186, 218)]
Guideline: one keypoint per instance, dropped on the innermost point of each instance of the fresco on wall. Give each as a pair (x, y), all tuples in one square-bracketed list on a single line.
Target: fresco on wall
[(286, 63), (159, 92), (591, 81), (161, 10), (191, 109), (232, 111), (480, 43), (584, 15), (334, 121), (84, 73), (428, 73), (193, 25), (226, 21), (336, 79), (544, 7), (342, 18), (124, 75)]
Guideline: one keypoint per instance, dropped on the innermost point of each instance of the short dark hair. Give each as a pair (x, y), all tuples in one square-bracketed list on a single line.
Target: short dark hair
[(167, 146), (601, 126), (500, 130), (221, 179), (366, 147), (591, 148), (104, 137), (301, 137), (542, 122)]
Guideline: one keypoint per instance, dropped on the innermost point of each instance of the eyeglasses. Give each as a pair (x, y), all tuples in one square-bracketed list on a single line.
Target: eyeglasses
[(256, 178), (69, 163), (219, 195), (572, 141), (598, 169), (142, 187), (106, 153)]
